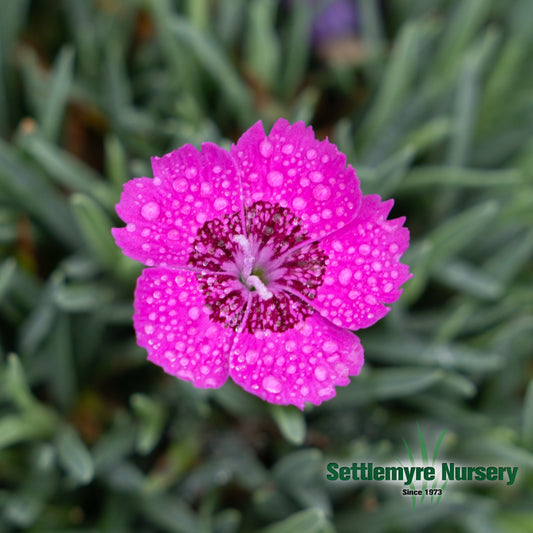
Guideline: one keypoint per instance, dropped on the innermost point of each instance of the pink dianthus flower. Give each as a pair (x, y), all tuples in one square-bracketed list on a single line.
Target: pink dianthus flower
[(262, 260)]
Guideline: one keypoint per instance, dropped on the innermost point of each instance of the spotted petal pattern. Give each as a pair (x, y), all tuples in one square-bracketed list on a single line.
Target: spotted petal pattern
[(163, 214), (263, 257), (300, 365), (172, 323), (364, 270), (291, 168)]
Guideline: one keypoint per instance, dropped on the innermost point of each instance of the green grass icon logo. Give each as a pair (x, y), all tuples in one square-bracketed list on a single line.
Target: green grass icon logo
[(434, 492)]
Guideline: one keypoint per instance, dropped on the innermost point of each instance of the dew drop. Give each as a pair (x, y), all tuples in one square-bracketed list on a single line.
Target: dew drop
[(388, 287), (252, 356), (364, 249), (130, 227), (220, 203), (194, 313), (180, 185), (311, 154), (290, 346), (321, 192), (330, 346), (321, 373), (150, 211), (287, 149), (148, 329), (299, 203), (345, 276), (275, 178), (316, 176), (327, 214), (271, 384), (266, 148), (173, 234)]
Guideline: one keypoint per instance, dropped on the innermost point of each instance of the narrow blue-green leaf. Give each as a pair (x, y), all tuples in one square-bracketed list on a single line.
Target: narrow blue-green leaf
[(67, 170), (95, 226), (62, 370), (213, 60), (505, 264), (262, 52), (7, 272), (464, 24), (17, 384), (38, 324), (74, 456), (81, 297), (427, 134), (152, 416), (412, 351), (51, 116), (427, 176), (308, 521), (527, 418), (290, 422), (397, 79), (467, 279), (297, 49), (466, 101), (170, 513), (116, 164), (30, 192)]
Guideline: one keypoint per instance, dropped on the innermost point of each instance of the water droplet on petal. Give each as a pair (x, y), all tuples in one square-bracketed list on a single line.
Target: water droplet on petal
[(130, 227), (345, 276), (180, 185), (321, 373), (287, 149), (311, 154), (290, 346), (388, 287), (150, 211), (330, 346), (316, 176), (275, 178), (321, 192), (299, 203), (271, 384), (252, 356), (194, 313), (173, 234), (220, 203), (364, 249), (148, 329), (266, 148)]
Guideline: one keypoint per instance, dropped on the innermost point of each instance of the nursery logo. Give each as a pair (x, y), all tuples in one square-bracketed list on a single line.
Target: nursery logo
[(423, 479)]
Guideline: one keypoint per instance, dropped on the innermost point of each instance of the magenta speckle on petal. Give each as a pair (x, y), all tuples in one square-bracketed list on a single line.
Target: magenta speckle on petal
[(261, 260)]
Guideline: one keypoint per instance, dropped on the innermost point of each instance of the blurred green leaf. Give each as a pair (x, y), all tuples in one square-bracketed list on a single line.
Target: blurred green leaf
[(32, 194), (291, 423), (308, 521), (74, 456), (152, 416), (52, 113), (95, 226), (262, 52)]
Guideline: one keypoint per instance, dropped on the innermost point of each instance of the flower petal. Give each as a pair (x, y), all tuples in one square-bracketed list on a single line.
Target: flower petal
[(292, 168), (303, 364), (172, 323), (364, 269), (163, 214)]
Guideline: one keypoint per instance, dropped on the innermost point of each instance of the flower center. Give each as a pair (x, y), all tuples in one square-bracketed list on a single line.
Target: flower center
[(260, 278)]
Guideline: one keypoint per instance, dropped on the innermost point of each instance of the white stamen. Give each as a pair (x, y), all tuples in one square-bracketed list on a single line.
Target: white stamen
[(246, 247), (259, 286), (249, 279)]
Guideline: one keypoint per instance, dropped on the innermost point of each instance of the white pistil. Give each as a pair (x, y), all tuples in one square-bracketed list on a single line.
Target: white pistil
[(259, 286), (249, 279)]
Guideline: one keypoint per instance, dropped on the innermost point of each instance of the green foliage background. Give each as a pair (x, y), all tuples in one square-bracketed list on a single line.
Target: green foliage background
[(435, 110)]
